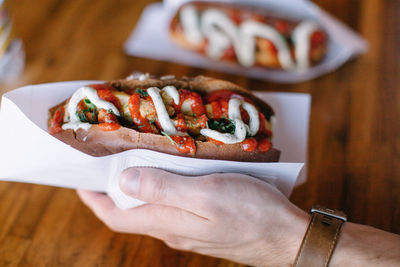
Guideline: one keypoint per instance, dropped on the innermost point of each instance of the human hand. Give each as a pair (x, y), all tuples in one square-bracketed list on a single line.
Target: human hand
[(231, 216)]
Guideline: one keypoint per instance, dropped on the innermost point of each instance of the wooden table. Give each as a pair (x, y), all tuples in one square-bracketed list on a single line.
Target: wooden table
[(354, 141)]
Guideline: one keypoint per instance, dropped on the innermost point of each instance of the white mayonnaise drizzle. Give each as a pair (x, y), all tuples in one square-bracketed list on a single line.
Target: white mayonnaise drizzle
[(226, 138), (91, 94), (301, 38), (240, 127), (189, 18), (249, 30), (222, 32), (173, 93), (234, 114), (166, 123)]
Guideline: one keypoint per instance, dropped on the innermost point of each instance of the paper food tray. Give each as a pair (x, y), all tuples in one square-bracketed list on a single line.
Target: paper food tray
[(150, 39)]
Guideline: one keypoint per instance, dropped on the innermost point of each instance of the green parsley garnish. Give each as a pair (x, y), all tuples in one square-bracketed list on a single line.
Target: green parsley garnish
[(169, 137), (142, 92), (222, 125), (81, 116), (91, 107)]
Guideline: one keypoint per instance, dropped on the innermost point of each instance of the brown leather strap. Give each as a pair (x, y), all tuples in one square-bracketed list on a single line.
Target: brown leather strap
[(319, 241)]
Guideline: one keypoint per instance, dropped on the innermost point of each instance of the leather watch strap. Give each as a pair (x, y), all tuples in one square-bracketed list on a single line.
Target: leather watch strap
[(320, 239)]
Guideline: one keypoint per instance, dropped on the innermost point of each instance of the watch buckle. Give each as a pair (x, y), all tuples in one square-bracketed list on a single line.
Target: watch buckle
[(329, 212)]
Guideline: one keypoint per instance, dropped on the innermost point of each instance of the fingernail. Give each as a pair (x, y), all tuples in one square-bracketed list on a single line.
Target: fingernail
[(129, 181)]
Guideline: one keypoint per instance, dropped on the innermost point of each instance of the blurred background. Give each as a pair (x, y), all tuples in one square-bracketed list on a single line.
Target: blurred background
[(354, 137)]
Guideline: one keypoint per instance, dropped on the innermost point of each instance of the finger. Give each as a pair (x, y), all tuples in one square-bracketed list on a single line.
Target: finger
[(115, 218), (160, 221), (155, 220), (99, 203), (175, 221), (161, 187)]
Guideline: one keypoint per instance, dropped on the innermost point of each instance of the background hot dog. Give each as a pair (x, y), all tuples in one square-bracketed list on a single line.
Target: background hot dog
[(248, 36)]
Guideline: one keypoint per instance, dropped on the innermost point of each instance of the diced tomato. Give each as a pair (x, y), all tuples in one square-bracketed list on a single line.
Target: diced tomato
[(185, 144), (249, 144), (264, 145), (216, 109), (202, 120), (56, 121), (181, 123)]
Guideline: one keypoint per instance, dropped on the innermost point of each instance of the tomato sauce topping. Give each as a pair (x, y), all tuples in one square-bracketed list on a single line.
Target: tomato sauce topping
[(264, 145), (263, 129), (104, 91), (219, 95), (142, 124), (108, 121), (195, 100), (229, 54), (202, 120), (249, 144), (181, 123), (109, 126), (318, 38), (219, 143), (185, 144), (282, 27), (57, 120)]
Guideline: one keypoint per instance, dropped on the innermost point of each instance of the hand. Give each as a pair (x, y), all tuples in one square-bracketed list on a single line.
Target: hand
[(231, 216)]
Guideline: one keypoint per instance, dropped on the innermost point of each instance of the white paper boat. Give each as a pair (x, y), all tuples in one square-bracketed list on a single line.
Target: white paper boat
[(151, 39)]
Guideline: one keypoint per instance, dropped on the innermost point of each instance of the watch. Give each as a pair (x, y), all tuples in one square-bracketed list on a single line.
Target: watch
[(320, 238)]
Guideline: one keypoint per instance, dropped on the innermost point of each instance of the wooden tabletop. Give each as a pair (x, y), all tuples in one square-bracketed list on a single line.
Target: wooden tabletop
[(354, 140)]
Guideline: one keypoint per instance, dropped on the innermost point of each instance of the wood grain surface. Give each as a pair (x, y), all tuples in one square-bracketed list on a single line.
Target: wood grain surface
[(354, 140)]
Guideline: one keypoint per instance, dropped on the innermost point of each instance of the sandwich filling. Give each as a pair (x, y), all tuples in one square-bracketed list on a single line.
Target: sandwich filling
[(184, 116)]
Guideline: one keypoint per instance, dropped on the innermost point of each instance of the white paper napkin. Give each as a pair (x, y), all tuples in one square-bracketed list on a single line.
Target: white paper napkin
[(151, 39), (29, 154)]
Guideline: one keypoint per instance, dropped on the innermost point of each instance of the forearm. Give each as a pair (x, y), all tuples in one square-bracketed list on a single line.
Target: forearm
[(361, 245)]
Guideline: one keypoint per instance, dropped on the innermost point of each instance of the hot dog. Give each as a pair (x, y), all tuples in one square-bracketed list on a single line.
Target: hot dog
[(194, 117), (248, 36)]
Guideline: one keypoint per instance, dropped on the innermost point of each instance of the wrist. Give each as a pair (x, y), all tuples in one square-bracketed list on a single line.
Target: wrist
[(287, 243), (299, 226)]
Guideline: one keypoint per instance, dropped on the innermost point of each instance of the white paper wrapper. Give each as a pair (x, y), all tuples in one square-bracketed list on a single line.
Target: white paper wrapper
[(29, 154), (151, 39)]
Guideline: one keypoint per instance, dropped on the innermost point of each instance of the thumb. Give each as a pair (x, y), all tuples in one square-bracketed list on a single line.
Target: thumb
[(158, 187)]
